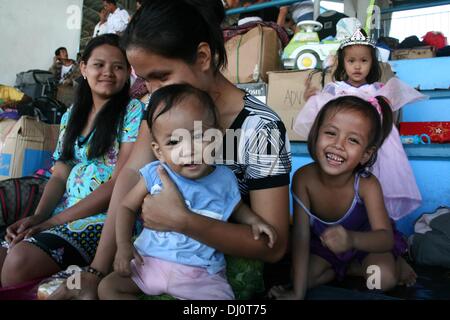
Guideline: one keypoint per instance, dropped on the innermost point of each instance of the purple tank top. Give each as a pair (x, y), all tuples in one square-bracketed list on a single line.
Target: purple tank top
[(355, 219)]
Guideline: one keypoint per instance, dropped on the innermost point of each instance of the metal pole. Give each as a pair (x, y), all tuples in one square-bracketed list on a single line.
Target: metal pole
[(415, 6), (260, 6), (316, 9)]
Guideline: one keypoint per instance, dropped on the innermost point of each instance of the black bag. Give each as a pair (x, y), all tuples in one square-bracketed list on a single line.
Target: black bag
[(19, 198), (51, 110), (48, 110), (36, 83)]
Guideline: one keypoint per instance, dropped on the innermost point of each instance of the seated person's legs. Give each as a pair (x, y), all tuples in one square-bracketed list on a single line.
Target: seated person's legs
[(26, 262), (117, 287), (320, 271), (386, 263), (3, 252)]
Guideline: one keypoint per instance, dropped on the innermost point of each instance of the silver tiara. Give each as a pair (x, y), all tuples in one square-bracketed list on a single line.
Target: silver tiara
[(357, 38)]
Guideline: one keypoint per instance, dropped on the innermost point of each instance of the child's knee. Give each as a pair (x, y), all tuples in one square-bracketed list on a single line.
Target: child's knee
[(389, 279), (14, 267), (385, 280), (106, 288)]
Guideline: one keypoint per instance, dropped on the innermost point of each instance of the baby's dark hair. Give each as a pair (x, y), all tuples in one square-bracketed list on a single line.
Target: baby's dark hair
[(171, 95), (375, 70), (380, 126)]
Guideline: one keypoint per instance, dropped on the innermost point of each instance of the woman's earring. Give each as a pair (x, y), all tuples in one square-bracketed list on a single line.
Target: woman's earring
[(84, 77)]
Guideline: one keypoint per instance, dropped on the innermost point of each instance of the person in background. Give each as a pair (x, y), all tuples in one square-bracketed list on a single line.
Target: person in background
[(139, 4), (298, 11), (118, 18), (266, 14), (64, 70), (230, 20), (102, 26)]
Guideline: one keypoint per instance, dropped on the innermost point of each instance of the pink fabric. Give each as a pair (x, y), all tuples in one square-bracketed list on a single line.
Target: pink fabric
[(401, 194), (158, 276), (25, 291)]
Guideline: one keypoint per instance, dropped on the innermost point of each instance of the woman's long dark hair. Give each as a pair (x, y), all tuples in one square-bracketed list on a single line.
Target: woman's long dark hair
[(174, 29), (108, 121)]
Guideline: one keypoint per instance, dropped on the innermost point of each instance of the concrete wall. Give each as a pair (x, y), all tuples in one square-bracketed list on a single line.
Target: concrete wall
[(31, 30)]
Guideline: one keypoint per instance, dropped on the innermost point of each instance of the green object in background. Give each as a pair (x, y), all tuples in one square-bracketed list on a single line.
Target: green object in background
[(245, 277), (370, 10)]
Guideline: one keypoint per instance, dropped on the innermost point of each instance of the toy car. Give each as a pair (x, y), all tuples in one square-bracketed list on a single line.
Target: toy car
[(305, 51)]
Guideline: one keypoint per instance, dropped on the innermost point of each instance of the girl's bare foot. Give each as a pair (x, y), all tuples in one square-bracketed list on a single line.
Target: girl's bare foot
[(407, 275)]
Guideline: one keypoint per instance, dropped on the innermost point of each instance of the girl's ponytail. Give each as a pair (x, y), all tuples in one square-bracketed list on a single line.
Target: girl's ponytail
[(386, 118)]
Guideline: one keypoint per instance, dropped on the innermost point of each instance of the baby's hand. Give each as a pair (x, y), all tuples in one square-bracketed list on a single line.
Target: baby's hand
[(337, 239), (262, 227), (309, 92), (124, 255)]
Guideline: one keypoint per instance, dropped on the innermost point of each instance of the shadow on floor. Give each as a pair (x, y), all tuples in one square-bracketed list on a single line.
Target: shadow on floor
[(433, 283)]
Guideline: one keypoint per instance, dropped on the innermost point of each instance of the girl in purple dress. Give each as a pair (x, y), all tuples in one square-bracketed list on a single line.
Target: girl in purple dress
[(357, 74), (341, 225)]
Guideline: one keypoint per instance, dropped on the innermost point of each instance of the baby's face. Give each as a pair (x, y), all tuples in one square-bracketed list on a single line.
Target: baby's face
[(179, 138)]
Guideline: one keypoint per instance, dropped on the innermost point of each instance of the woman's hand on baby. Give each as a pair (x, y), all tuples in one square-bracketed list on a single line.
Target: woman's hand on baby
[(261, 227), (165, 211), (337, 239), (125, 253)]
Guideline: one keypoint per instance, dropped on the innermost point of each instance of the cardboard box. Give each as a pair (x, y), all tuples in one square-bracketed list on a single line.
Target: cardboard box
[(27, 147), (252, 54), (285, 95), (414, 53), (259, 90), (5, 127)]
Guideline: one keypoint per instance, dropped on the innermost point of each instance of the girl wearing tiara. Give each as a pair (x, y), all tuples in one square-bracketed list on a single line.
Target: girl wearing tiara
[(357, 74)]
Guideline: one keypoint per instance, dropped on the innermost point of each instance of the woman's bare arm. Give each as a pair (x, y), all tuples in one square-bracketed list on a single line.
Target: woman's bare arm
[(300, 237), (127, 179), (54, 189)]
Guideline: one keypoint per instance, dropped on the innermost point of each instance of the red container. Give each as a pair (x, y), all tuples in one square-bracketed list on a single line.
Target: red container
[(439, 132)]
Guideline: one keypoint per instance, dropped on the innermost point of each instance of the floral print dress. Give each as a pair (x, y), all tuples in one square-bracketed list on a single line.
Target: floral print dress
[(75, 243)]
